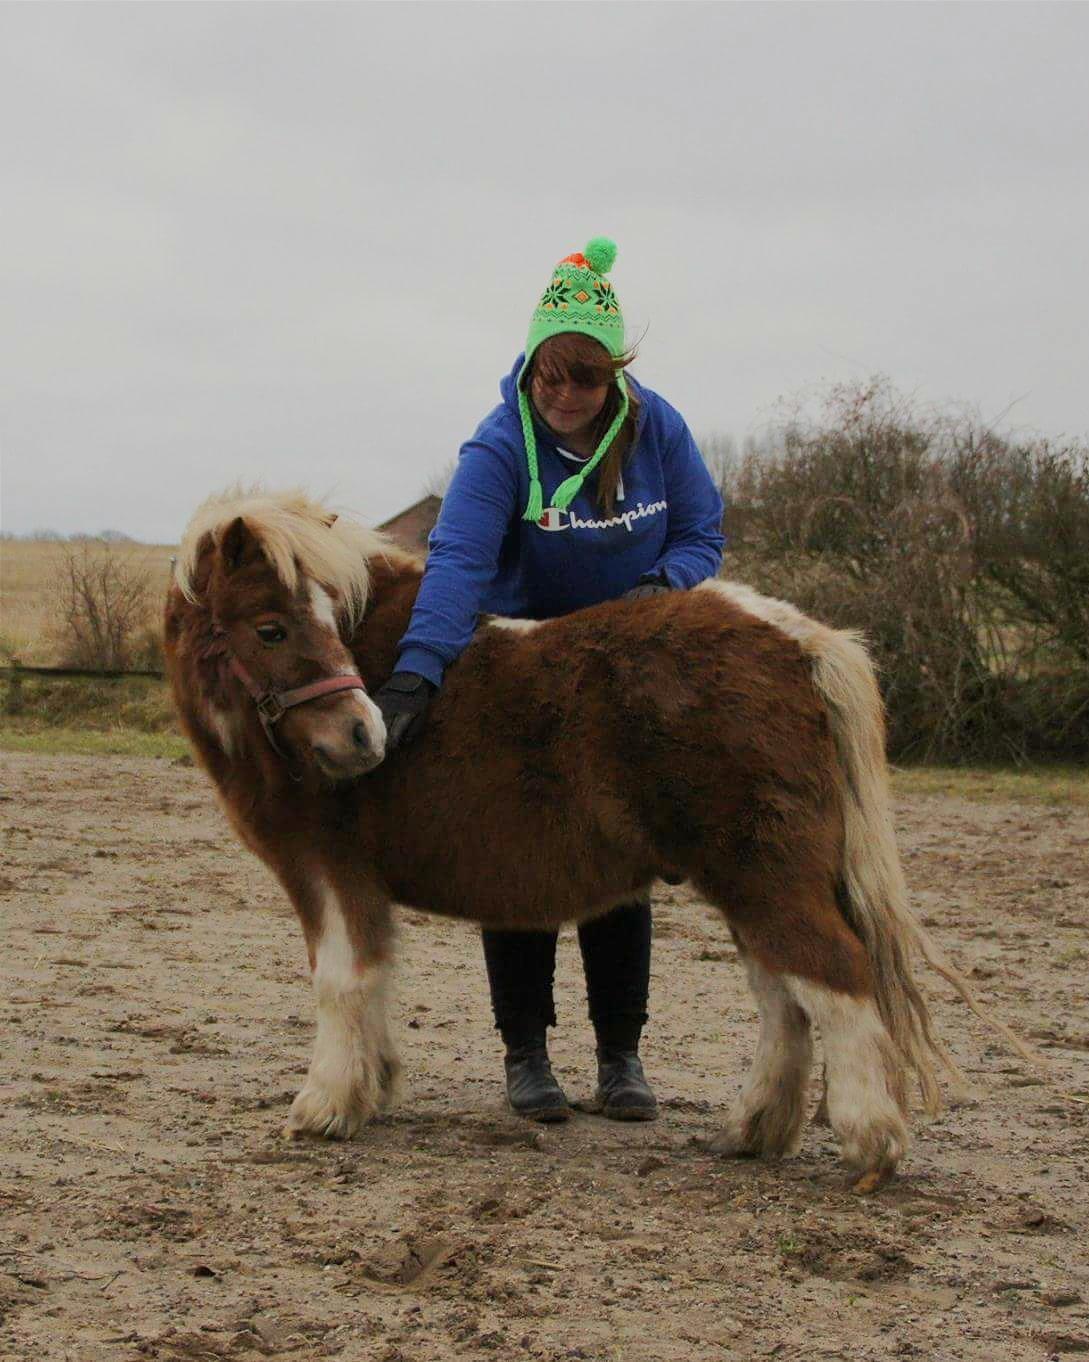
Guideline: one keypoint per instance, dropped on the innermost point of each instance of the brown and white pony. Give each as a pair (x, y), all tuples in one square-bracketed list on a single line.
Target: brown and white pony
[(714, 735)]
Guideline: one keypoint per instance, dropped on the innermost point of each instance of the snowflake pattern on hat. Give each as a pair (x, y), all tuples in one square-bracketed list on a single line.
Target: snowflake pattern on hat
[(579, 298)]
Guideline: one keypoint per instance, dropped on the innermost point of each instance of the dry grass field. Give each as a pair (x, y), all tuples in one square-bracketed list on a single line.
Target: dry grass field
[(28, 575)]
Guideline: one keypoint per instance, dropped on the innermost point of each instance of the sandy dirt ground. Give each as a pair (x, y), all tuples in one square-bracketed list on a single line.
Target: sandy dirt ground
[(157, 1021)]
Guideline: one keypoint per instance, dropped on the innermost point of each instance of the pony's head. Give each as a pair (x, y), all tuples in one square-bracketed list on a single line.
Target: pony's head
[(284, 584)]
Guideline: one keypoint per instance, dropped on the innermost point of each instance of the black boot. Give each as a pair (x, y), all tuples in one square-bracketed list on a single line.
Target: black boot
[(623, 1093), (532, 1089)]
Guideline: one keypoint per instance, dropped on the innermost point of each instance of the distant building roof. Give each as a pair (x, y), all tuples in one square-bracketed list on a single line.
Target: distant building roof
[(411, 526)]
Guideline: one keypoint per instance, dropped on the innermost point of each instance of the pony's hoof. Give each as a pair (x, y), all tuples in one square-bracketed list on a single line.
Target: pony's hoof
[(875, 1152), (765, 1134), (872, 1181), (732, 1143), (316, 1112)]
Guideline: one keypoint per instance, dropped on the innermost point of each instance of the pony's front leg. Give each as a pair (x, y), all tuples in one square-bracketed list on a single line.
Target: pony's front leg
[(354, 1069)]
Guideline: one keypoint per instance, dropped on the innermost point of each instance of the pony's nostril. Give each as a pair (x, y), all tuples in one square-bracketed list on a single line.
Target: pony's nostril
[(359, 734)]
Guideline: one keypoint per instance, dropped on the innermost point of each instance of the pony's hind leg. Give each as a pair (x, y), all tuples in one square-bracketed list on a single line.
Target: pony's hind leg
[(769, 1114), (354, 1069), (864, 1082), (793, 928)]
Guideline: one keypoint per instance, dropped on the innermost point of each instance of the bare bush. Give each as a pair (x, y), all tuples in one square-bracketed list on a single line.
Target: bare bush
[(103, 610), (1029, 507), (963, 557)]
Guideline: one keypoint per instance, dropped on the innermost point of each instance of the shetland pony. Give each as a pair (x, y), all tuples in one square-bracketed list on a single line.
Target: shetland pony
[(713, 735)]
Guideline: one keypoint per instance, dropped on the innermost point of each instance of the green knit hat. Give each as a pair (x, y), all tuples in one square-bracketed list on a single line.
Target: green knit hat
[(578, 298)]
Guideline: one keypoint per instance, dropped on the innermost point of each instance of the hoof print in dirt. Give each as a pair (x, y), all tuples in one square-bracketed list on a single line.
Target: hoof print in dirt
[(408, 1264)]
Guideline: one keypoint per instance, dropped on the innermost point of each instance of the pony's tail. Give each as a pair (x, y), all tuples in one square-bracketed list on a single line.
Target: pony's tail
[(873, 895)]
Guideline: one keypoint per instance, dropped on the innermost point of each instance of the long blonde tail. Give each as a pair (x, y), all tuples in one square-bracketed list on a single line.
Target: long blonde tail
[(875, 898), (874, 895)]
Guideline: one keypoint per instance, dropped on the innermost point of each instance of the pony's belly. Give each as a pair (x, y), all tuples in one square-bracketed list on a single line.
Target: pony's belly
[(508, 898)]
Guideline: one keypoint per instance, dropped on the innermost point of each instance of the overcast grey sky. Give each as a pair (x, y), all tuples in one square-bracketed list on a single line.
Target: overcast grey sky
[(301, 242)]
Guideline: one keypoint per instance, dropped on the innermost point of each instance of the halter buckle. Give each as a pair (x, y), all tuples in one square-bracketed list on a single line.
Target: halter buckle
[(270, 708)]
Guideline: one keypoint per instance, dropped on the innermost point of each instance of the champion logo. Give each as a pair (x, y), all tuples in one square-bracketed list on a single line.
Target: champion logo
[(554, 519)]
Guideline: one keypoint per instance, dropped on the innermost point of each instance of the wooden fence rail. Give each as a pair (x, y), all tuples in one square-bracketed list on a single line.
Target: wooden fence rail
[(18, 670)]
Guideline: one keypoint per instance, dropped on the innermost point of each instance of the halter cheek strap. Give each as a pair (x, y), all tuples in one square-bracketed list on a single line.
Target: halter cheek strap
[(273, 704)]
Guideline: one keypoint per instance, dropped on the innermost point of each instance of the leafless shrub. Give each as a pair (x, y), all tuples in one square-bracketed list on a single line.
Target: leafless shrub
[(103, 610), (1029, 507), (962, 556)]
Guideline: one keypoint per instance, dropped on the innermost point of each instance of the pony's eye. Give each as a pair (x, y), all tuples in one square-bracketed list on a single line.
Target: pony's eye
[(271, 633)]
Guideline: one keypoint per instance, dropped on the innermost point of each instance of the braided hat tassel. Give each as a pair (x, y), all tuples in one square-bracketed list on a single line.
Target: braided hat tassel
[(535, 505), (579, 298)]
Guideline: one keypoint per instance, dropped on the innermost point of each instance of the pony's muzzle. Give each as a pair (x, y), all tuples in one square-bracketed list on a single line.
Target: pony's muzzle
[(348, 745), (370, 742)]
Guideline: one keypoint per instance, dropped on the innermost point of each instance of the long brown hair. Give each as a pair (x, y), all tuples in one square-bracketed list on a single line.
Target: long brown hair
[(586, 362)]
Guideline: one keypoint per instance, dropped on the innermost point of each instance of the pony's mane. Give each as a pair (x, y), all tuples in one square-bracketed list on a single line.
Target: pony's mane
[(295, 533)]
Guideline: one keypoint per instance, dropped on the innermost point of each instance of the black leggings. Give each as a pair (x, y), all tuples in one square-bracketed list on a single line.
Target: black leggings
[(615, 958)]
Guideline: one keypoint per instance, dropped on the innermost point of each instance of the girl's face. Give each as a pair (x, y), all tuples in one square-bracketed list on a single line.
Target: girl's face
[(569, 408)]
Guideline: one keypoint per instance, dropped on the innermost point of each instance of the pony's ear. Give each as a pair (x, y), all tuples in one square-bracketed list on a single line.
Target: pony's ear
[(330, 520), (238, 545)]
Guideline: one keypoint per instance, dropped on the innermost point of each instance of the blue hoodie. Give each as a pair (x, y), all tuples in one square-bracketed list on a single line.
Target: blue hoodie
[(485, 559)]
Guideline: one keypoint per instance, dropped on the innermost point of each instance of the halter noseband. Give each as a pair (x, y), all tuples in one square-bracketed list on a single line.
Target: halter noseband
[(272, 705)]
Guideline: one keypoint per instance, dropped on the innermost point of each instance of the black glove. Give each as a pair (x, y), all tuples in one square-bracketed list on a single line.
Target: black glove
[(403, 701), (650, 584)]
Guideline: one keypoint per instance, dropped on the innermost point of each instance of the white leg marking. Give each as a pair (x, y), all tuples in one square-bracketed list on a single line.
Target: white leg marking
[(859, 1059), (354, 1067), (768, 1116), (514, 626)]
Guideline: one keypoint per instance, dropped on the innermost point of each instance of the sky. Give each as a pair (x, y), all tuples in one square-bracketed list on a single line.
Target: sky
[(300, 243)]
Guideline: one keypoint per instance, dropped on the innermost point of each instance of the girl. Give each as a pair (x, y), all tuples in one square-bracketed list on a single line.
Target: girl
[(581, 486)]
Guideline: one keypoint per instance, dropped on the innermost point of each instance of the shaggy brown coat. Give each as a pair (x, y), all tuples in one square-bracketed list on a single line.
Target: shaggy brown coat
[(710, 734)]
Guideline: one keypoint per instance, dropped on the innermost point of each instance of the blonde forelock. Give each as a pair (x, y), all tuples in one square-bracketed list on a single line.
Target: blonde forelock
[(295, 534)]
